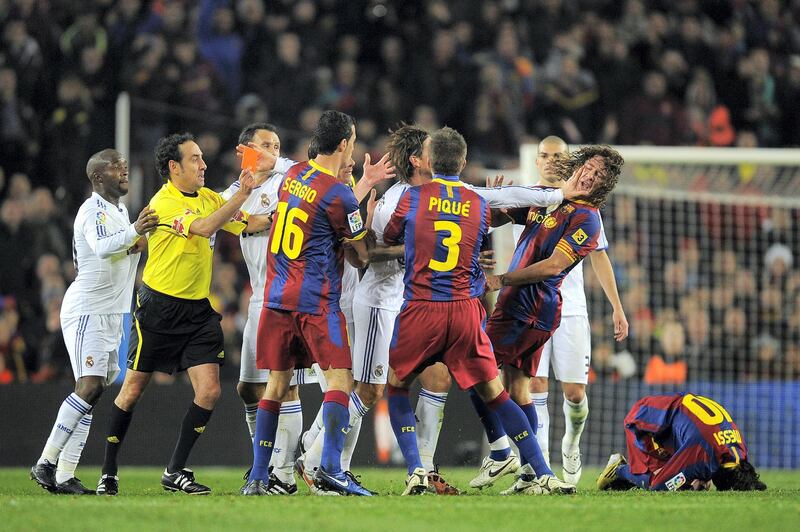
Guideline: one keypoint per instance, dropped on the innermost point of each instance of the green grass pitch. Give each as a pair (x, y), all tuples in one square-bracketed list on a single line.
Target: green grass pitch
[(143, 505)]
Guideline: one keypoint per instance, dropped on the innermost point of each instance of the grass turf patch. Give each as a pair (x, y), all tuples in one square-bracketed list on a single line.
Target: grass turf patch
[(143, 505)]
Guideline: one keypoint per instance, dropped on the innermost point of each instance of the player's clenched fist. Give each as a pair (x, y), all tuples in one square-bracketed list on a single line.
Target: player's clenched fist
[(146, 222), (494, 282)]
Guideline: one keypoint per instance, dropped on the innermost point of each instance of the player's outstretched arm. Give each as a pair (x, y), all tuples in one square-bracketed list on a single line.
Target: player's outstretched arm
[(357, 254), (258, 222), (105, 245), (386, 253), (601, 264), (512, 197), (212, 223), (539, 271), (373, 174)]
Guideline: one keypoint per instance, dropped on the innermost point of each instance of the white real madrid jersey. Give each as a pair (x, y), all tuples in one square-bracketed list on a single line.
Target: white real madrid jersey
[(262, 200), (382, 284), (103, 234)]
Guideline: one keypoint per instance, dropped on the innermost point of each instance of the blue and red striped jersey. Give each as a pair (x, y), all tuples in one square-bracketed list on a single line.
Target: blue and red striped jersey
[(697, 431), (443, 225), (314, 213), (572, 228)]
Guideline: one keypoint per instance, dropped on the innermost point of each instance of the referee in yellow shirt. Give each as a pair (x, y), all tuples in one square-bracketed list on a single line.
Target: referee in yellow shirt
[(174, 326)]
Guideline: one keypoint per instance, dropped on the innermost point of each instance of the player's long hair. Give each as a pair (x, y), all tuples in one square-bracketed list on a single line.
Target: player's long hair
[(743, 477), (613, 166), (404, 142)]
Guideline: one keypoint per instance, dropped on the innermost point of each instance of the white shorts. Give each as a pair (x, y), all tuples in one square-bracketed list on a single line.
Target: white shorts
[(373, 336), (248, 372), (93, 345), (569, 351)]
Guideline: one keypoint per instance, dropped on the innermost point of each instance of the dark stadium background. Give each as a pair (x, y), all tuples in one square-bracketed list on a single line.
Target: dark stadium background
[(504, 72)]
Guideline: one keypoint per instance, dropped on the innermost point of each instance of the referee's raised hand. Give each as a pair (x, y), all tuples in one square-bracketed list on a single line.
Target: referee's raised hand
[(146, 222), (247, 182)]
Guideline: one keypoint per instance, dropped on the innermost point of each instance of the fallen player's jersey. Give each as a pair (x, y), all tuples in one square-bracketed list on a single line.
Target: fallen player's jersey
[(682, 437)]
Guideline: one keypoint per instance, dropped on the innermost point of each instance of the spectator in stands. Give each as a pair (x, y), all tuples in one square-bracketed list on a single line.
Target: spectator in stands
[(19, 126), (220, 44), (12, 345), (665, 124), (669, 365)]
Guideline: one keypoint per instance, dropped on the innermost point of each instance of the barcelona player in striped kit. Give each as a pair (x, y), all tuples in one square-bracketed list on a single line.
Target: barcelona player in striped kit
[(444, 225), (528, 308), (681, 441), (302, 322)]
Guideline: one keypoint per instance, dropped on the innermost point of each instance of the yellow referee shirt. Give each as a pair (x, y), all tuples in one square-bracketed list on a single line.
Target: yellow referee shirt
[(179, 263)]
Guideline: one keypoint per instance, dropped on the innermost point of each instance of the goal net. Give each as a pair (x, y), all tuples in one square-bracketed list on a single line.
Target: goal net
[(706, 254)]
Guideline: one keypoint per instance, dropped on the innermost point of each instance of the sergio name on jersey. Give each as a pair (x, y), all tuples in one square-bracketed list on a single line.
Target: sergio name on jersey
[(103, 233), (315, 211)]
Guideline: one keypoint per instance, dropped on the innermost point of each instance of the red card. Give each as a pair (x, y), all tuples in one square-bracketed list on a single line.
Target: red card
[(250, 158)]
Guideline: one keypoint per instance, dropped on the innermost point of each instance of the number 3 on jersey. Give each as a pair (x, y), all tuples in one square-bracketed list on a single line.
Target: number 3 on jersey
[(450, 242), (288, 236)]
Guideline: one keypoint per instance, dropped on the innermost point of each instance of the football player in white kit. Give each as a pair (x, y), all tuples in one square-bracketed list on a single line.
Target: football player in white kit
[(106, 247), (568, 352)]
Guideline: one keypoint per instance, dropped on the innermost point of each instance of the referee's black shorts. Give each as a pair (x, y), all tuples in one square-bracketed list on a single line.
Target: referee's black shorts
[(170, 333)]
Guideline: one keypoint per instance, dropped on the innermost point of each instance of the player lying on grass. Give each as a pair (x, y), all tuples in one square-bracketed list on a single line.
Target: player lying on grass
[(679, 442), (444, 225)]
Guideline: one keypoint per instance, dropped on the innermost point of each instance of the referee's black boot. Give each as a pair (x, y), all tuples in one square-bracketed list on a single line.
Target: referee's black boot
[(108, 485), (73, 486), (45, 475), (183, 480)]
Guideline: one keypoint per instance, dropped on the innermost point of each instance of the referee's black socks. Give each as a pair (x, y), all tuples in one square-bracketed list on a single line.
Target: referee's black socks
[(194, 423), (117, 428)]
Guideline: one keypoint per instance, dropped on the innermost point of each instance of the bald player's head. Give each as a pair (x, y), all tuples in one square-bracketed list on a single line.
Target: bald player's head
[(551, 148), (98, 163), (108, 172)]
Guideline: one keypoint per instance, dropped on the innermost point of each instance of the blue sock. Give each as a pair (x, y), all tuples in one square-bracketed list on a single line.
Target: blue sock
[(404, 425), (517, 426), (264, 440), (530, 412), (641, 481), (491, 425), (336, 418)]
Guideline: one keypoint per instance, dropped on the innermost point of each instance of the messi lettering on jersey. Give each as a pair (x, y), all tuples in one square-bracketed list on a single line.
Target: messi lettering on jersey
[(696, 429), (444, 225), (572, 228), (314, 214)]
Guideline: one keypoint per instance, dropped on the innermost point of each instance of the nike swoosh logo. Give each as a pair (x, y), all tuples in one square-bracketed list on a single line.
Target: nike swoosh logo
[(493, 474), (339, 482)]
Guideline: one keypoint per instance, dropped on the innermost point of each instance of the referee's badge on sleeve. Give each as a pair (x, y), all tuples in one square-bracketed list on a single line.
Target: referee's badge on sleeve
[(354, 220)]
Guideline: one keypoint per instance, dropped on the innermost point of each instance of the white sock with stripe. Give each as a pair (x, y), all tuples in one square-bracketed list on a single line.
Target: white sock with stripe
[(72, 410), (250, 411), (357, 411), (71, 454), (430, 414), (312, 432), (575, 415), (543, 418), (290, 425)]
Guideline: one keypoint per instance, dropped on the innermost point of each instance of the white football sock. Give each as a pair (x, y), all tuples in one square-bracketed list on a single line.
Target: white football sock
[(71, 454), (575, 415), (499, 444), (72, 410), (311, 434), (250, 411), (290, 425), (543, 421), (357, 411), (430, 415)]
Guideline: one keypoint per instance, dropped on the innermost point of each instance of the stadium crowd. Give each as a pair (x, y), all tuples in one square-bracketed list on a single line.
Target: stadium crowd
[(720, 73)]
